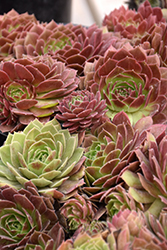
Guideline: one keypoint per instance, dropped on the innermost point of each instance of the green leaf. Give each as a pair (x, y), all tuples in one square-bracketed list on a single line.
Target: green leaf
[(9, 139), (41, 182), (13, 184), (15, 171), (59, 137), (21, 180), (36, 167), (59, 150), (32, 133), (50, 175), (27, 173), (67, 170), (76, 156), (70, 148), (27, 145), (141, 196), (131, 179), (58, 182), (15, 148), (19, 137), (44, 135), (35, 123), (5, 172), (5, 154), (53, 165)]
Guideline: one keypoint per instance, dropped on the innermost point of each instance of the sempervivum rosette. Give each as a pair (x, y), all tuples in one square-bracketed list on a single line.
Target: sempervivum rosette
[(12, 26), (81, 110), (129, 230), (71, 44), (45, 240), (24, 213), (110, 151), (78, 211), (85, 241), (158, 226), (156, 42), (44, 38), (91, 43), (132, 81), (31, 88), (119, 199), (149, 186), (46, 155), (131, 24)]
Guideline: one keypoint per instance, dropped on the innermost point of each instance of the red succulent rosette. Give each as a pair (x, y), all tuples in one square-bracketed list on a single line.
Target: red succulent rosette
[(71, 44), (31, 89), (131, 24), (81, 110), (12, 26), (24, 214), (131, 80)]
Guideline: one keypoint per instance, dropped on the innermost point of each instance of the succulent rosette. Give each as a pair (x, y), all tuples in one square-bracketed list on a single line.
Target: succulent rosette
[(23, 213), (119, 199), (46, 155), (131, 24), (91, 43), (8, 120), (156, 42), (71, 44), (78, 211), (132, 81), (30, 88), (12, 26), (81, 110), (158, 226), (45, 240), (44, 38), (85, 241), (129, 230), (109, 152), (149, 185)]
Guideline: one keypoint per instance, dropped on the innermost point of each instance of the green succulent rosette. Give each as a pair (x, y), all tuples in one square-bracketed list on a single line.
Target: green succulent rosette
[(46, 155), (85, 241)]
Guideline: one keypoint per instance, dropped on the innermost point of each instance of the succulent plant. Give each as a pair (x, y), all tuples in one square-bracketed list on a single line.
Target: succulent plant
[(8, 120), (80, 110), (79, 211), (109, 151), (155, 42), (132, 81), (46, 155), (71, 44), (154, 3), (23, 213), (131, 24), (45, 241), (149, 185), (44, 38), (85, 241), (129, 231), (30, 88), (158, 226), (91, 43), (12, 26), (119, 199)]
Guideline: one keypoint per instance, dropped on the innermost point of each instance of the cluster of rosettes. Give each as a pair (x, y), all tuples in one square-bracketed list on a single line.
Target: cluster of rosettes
[(98, 178)]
